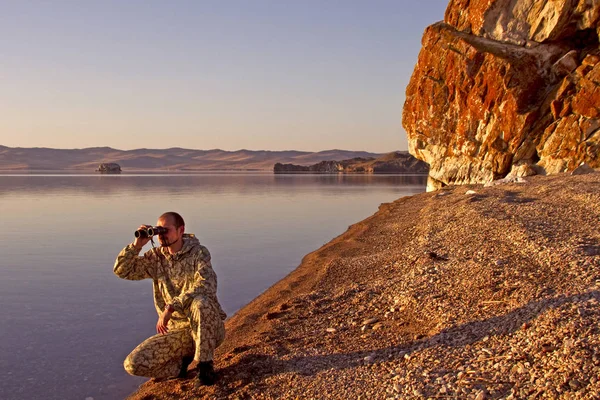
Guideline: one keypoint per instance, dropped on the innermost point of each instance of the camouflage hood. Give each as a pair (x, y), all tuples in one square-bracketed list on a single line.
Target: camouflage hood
[(191, 244)]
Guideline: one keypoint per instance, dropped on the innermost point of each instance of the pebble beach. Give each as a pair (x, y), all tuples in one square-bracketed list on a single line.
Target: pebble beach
[(467, 292)]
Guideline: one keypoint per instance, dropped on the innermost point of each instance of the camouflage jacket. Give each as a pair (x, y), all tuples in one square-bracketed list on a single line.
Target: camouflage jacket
[(178, 278)]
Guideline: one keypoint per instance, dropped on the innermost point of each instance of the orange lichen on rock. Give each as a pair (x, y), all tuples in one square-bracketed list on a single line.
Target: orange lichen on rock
[(503, 83)]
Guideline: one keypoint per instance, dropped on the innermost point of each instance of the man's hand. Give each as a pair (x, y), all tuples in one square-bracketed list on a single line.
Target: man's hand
[(163, 320), (141, 242)]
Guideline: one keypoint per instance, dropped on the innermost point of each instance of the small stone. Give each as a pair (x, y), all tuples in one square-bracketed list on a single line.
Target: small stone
[(331, 330), (547, 348), (480, 395), (368, 359), (377, 326), (574, 384), (370, 321), (517, 369), (470, 192)]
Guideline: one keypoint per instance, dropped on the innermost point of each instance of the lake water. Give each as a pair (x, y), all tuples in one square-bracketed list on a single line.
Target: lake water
[(68, 322)]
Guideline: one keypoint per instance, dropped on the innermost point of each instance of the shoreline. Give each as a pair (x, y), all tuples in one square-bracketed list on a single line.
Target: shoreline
[(184, 172), (441, 293)]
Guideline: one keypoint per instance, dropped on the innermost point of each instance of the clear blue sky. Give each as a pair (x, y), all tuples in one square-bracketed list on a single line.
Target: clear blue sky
[(275, 75)]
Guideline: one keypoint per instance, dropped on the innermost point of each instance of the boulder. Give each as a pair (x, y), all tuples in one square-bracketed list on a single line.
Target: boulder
[(583, 169), (522, 171), (505, 83)]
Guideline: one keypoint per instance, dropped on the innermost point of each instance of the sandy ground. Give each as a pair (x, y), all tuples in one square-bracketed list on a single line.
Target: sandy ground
[(491, 294)]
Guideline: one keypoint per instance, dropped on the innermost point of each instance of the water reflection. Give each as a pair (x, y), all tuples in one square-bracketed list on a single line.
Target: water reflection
[(71, 322), (213, 183)]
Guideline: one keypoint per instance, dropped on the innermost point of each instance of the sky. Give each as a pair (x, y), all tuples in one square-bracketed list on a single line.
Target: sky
[(253, 74)]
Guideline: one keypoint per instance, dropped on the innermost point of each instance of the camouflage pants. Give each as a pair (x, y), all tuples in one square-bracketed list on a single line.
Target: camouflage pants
[(160, 356)]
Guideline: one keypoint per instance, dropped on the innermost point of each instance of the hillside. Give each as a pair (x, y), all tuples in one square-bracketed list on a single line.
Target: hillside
[(179, 159), (488, 294)]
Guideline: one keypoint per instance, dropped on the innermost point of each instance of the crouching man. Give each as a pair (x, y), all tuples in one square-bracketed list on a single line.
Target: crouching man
[(190, 323)]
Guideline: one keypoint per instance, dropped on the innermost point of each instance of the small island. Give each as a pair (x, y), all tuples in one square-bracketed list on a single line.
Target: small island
[(109, 168)]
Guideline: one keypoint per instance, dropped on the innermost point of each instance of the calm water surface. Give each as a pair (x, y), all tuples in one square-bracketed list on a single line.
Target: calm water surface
[(68, 322)]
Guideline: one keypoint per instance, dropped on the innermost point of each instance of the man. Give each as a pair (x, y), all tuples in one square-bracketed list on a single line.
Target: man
[(190, 323)]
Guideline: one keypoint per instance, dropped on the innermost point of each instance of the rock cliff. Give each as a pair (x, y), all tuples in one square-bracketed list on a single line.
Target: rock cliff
[(503, 84)]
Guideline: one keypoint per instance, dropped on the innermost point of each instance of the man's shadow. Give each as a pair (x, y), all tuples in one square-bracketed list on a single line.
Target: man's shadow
[(254, 368)]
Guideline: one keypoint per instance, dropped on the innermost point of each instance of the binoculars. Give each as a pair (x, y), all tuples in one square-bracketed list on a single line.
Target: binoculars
[(149, 232)]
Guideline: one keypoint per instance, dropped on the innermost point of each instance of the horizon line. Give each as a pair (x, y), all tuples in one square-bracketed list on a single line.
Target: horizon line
[(184, 148)]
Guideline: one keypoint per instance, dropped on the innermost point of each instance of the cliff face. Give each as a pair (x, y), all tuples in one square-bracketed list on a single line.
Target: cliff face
[(504, 83)]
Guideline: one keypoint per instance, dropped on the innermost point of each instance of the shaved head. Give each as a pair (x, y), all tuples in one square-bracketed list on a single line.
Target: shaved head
[(174, 217)]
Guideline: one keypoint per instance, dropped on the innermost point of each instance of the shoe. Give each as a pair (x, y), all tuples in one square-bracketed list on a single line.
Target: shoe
[(206, 374), (185, 363)]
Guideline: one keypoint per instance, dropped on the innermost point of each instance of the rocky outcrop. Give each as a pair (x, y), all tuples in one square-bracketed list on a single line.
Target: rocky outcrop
[(325, 167), (321, 167), (399, 162), (505, 83), (280, 168), (109, 168), (392, 163)]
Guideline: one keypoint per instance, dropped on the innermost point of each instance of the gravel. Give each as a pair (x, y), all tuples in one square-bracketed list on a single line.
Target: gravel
[(494, 295)]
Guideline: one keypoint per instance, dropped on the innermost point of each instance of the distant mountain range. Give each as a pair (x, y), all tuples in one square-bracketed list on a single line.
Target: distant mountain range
[(178, 159)]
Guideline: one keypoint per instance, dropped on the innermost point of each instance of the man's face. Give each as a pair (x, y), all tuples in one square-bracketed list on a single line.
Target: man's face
[(173, 234)]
